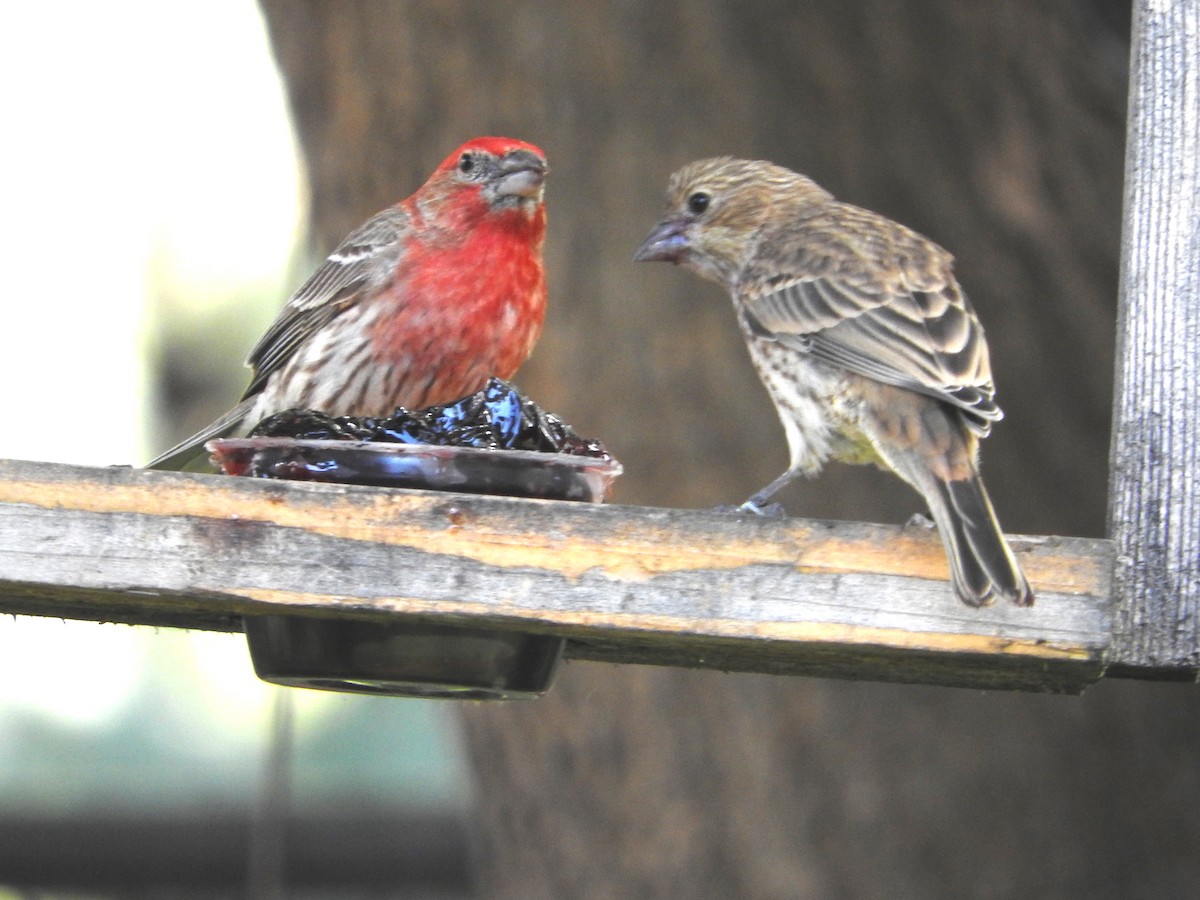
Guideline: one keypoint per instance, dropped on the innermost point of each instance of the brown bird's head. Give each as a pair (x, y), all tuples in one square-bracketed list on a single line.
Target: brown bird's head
[(715, 209)]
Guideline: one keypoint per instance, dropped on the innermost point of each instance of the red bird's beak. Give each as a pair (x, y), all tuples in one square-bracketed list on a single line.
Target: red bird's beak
[(668, 242), (520, 173)]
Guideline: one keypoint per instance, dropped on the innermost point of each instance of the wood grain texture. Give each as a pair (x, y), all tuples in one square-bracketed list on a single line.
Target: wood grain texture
[(1155, 494), (623, 584)]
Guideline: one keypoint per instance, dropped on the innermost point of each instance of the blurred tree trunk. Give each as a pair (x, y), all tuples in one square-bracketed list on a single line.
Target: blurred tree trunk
[(997, 129)]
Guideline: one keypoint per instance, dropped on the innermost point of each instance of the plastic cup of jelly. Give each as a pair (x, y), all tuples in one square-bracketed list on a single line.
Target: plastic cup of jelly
[(410, 659)]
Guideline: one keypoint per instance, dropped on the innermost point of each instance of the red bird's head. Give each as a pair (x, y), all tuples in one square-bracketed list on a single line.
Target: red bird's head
[(505, 173)]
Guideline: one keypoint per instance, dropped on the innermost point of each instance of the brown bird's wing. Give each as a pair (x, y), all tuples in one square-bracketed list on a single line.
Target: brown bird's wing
[(866, 294), (362, 263)]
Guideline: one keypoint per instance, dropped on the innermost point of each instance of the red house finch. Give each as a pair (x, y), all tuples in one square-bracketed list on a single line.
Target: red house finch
[(864, 339), (419, 305)]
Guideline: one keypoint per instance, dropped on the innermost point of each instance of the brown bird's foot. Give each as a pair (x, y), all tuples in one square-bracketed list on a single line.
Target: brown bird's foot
[(920, 520), (758, 504), (769, 510)]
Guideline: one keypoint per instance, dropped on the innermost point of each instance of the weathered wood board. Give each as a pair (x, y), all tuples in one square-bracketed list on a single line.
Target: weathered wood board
[(623, 584)]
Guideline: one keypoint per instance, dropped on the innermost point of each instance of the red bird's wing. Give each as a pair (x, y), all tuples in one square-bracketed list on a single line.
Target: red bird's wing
[(899, 318), (361, 265)]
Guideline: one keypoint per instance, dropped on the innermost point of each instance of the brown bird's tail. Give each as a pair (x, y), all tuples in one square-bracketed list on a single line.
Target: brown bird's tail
[(982, 566)]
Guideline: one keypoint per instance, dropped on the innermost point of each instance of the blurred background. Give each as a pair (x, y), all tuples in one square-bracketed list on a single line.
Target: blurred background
[(207, 156), (152, 167)]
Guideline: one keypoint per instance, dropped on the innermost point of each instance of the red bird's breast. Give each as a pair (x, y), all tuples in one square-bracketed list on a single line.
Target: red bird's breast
[(456, 315)]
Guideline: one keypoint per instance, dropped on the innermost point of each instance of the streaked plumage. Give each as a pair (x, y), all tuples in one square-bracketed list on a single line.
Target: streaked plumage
[(419, 305), (861, 333)]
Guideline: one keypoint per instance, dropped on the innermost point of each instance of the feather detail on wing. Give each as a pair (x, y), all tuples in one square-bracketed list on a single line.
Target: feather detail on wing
[(362, 264), (927, 340)]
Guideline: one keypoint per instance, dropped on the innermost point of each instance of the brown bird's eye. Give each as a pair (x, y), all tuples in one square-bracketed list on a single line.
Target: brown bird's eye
[(466, 164), (698, 202)]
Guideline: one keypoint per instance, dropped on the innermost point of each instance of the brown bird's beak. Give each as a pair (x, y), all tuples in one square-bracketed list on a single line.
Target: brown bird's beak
[(668, 242), (520, 173)]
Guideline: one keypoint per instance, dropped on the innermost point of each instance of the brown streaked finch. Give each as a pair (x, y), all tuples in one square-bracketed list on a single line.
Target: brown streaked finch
[(420, 305), (866, 343)]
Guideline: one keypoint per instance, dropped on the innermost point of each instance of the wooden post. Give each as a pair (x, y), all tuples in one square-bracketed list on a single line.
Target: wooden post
[(1154, 505)]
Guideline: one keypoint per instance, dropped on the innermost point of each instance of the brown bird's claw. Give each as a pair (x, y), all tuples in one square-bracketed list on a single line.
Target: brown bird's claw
[(769, 511)]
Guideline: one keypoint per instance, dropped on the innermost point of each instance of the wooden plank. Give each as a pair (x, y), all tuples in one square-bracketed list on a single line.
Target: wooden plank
[(1155, 492), (624, 584)]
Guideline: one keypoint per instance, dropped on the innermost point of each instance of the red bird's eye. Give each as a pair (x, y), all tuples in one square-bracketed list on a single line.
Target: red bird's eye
[(467, 163)]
